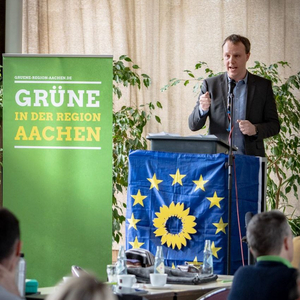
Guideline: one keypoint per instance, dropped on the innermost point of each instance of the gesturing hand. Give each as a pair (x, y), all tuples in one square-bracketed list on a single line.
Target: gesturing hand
[(246, 127), (205, 101)]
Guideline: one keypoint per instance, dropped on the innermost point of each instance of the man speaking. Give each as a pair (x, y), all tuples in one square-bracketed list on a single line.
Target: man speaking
[(253, 112)]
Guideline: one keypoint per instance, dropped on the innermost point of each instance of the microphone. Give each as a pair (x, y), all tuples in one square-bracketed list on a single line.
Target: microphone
[(232, 85)]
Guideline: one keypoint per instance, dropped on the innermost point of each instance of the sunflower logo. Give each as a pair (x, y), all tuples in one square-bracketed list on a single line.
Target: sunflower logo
[(174, 225)]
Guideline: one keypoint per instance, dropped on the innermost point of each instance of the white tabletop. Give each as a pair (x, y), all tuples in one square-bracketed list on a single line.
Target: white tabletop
[(222, 281)]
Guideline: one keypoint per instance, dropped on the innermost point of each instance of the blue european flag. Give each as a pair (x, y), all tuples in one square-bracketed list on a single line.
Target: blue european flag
[(179, 200)]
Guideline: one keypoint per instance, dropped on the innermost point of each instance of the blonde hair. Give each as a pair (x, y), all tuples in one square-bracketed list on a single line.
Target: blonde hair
[(86, 287)]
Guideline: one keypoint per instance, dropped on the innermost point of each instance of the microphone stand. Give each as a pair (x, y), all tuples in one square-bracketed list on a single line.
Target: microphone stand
[(230, 163)]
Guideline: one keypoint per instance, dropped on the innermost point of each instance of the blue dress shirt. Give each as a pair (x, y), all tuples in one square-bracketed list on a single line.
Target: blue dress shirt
[(239, 113)]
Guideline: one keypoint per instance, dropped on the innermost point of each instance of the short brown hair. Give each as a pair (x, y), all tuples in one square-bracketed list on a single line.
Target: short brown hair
[(235, 38)]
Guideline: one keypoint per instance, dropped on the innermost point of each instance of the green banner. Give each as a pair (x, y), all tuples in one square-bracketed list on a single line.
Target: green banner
[(57, 168)]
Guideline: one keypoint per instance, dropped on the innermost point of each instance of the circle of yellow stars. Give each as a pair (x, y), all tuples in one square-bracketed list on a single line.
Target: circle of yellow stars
[(177, 179)]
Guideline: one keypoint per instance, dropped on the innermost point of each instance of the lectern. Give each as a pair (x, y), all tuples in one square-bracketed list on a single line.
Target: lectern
[(204, 144), (178, 200), (209, 144)]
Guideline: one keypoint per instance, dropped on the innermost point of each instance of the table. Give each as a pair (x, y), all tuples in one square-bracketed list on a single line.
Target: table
[(188, 292), (173, 292)]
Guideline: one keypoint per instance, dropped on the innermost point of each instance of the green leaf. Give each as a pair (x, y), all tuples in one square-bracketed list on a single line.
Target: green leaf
[(158, 104), (176, 82)]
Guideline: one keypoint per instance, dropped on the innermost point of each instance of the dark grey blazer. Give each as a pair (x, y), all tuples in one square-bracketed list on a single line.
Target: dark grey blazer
[(261, 111)]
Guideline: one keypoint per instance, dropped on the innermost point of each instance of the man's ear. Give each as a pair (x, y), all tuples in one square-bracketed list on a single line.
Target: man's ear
[(253, 252), (18, 248), (248, 56), (286, 243)]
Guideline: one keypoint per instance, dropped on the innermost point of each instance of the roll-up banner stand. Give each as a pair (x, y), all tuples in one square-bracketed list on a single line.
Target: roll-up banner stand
[(57, 161)]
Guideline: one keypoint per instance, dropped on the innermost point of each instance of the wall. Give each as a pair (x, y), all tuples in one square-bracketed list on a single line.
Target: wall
[(165, 37)]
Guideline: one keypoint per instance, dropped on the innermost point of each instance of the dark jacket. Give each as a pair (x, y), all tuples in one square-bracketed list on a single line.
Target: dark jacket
[(260, 111), (267, 280)]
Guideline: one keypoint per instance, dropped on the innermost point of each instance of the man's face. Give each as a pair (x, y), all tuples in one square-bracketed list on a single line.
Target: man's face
[(235, 59)]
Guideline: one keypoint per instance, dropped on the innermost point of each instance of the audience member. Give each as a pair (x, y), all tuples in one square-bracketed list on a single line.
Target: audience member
[(10, 247), (85, 287), (271, 242)]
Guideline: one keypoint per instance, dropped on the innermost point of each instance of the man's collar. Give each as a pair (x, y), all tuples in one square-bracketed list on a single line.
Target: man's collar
[(245, 79), (275, 258)]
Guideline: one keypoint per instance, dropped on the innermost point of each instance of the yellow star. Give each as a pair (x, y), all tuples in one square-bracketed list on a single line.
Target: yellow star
[(154, 182), (200, 184), (177, 177), (215, 249), (195, 260), (173, 266), (132, 222), (220, 226), (136, 244), (138, 198), (215, 200)]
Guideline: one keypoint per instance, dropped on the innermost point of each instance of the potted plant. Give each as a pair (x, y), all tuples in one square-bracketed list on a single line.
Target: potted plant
[(128, 126)]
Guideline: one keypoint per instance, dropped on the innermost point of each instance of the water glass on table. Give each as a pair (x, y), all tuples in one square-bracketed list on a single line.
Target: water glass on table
[(111, 273)]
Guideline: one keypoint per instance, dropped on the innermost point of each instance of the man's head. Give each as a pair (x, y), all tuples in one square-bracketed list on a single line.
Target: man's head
[(269, 233), (9, 234), (236, 52)]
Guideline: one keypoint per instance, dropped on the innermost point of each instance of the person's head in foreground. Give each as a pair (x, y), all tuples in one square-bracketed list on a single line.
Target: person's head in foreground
[(272, 277), (10, 247), (9, 237), (85, 287), (269, 233)]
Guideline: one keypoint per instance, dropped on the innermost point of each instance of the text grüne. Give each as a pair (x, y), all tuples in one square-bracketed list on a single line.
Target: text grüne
[(57, 97)]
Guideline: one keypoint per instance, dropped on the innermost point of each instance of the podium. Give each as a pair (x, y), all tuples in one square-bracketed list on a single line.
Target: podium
[(204, 144), (209, 144), (178, 200)]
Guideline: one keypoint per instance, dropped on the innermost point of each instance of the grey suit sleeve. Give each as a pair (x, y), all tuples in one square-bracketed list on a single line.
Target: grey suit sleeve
[(196, 121)]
